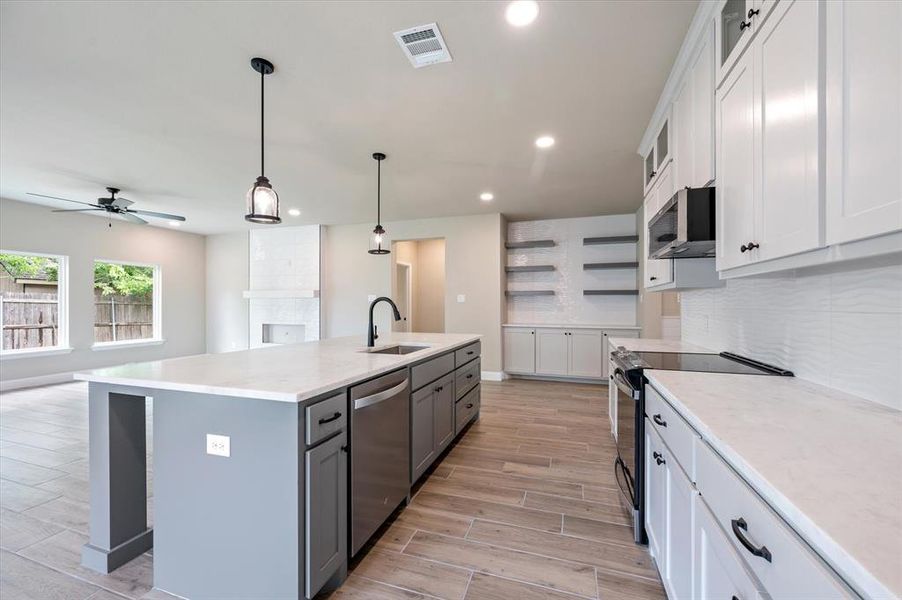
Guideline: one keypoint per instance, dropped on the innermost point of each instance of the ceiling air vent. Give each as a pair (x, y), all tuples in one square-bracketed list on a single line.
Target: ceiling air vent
[(423, 45)]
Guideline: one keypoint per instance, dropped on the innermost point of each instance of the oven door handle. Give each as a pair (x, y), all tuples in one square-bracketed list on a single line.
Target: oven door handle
[(620, 381)]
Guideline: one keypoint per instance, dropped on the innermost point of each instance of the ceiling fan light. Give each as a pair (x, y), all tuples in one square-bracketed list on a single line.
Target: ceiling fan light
[(262, 203)]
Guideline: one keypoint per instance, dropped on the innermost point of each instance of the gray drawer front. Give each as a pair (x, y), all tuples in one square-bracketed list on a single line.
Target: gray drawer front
[(465, 409), (466, 377), (467, 353), (321, 417), (431, 370)]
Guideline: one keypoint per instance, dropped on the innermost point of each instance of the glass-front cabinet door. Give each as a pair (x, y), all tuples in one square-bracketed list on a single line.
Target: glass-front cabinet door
[(662, 147), (733, 25), (649, 168)]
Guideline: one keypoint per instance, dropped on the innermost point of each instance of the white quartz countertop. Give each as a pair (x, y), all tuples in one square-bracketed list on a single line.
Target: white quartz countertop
[(829, 463), (290, 373), (656, 345), (575, 326)]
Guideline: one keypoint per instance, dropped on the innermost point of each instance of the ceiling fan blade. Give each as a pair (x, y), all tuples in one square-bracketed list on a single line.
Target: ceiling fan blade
[(130, 217), (158, 215), (122, 202), (63, 199), (77, 209)]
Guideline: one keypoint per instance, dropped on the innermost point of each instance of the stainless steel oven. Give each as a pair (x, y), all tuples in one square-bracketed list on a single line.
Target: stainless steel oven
[(629, 464), (684, 226)]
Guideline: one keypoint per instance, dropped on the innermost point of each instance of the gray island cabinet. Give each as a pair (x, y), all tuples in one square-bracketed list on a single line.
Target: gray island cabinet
[(251, 460)]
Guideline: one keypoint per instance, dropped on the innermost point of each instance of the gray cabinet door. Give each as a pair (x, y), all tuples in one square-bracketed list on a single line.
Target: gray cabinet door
[(326, 495), (443, 413), (422, 440)]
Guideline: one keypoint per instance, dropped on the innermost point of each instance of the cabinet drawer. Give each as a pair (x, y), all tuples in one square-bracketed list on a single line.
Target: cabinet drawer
[(465, 409), (431, 370), (467, 353), (466, 377), (786, 567), (326, 417), (675, 432)]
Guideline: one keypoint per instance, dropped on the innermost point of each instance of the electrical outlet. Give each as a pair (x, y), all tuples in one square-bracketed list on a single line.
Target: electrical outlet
[(218, 445), (461, 298), (371, 297)]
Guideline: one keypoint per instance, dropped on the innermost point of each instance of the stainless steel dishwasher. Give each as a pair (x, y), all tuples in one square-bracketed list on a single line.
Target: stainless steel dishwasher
[(380, 452)]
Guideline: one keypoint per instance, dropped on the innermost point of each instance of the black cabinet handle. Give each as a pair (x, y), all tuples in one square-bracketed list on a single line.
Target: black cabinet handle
[(752, 12), (657, 419), (470, 405), (344, 448), (739, 526), (334, 417), (439, 388), (652, 174), (470, 352), (744, 25), (735, 597), (659, 458), (751, 246), (469, 376), (652, 278)]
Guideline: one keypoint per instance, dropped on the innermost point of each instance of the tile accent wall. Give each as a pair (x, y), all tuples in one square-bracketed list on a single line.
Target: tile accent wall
[(838, 325), (284, 258), (568, 280)]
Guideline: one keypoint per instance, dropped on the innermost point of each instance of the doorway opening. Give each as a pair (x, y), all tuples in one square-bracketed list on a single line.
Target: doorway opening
[(418, 285)]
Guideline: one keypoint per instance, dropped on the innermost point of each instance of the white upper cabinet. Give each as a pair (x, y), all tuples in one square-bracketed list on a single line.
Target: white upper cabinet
[(693, 119), (736, 22), (658, 156), (735, 173), (864, 119), (787, 136)]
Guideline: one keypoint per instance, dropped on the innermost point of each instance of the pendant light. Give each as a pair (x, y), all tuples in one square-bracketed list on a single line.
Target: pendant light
[(262, 200), (378, 238)]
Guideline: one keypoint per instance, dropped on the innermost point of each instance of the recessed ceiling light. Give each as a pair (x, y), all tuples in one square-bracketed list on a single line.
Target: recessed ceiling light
[(522, 12), (174, 224), (546, 141), (294, 212), (486, 196)]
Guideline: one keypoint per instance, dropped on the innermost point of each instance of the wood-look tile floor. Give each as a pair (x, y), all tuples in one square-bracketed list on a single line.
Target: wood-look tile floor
[(523, 506)]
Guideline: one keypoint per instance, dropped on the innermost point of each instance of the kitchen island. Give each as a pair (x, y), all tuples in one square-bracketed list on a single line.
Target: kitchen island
[(250, 457)]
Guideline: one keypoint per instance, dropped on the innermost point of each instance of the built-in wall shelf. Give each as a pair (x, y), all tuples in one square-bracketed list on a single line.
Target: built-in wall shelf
[(610, 265), (612, 239), (529, 293), (529, 269), (531, 244), (610, 292)]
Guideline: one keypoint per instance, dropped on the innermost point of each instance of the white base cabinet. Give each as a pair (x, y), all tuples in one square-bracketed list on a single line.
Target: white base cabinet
[(519, 350), (575, 352), (719, 572)]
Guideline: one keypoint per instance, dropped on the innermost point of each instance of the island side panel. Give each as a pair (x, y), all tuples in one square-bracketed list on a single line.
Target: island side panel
[(227, 527), (118, 477)]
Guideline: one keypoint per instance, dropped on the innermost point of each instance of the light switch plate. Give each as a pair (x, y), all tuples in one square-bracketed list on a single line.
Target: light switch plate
[(219, 445), (461, 298)]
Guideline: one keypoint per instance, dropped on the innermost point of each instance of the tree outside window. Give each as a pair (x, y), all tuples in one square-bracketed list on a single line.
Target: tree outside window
[(32, 297), (124, 302)]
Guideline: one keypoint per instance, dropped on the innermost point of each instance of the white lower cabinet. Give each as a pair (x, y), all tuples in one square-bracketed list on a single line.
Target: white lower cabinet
[(559, 351), (718, 538), (719, 572), (519, 350), (585, 357), (552, 352)]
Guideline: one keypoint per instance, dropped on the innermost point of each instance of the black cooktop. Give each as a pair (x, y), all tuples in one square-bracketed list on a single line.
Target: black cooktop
[(725, 362)]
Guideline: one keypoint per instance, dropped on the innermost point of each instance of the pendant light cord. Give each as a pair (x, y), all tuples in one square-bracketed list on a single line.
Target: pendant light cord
[(378, 192), (262, 130)]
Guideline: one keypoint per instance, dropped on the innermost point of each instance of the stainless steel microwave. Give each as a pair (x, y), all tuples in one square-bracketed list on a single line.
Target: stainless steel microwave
[(684, 227)]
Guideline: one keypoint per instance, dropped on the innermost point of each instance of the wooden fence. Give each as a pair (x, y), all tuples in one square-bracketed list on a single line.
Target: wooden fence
[(31, 320)]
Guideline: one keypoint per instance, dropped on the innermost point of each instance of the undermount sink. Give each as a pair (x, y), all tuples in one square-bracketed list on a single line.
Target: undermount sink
[(399, 349)]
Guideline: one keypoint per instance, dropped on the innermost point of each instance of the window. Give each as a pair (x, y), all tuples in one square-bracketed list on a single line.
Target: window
[(126, 303), (33, 293)]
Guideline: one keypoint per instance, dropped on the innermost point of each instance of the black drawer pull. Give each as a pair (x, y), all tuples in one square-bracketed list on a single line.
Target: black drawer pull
[(659, 458), (438, 389), (470, 405), (657, 419), (334, 417), (739, 526), (469, 376), (744, 25), (752, 12), (470, 352)]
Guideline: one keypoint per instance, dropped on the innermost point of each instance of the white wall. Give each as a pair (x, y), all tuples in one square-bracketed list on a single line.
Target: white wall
[(181, 257), (227, 278), (430, 289), (473, 261), (569, 279), (838, 325)]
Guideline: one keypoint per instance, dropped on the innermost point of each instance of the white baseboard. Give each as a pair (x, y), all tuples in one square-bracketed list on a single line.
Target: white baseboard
[(587, 380), (494, 375), (29, 382)]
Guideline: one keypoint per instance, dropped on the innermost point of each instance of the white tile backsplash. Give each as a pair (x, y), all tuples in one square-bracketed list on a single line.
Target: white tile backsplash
[(837, 325), (568, 280)]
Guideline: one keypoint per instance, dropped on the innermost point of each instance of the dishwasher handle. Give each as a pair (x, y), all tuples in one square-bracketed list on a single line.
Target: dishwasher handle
[(380, 396)]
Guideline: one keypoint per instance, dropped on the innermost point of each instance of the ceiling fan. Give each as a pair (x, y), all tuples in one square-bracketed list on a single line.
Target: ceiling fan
[(114, 206)]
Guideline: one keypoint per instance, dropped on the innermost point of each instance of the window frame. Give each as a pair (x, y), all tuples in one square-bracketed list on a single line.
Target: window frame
[(62, 312), (157, 337)]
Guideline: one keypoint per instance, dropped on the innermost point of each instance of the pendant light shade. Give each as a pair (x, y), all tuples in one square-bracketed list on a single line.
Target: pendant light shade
[(262, 200), (379, 240)]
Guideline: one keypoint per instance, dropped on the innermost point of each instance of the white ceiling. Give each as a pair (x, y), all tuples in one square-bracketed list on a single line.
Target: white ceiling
[(158, 98)]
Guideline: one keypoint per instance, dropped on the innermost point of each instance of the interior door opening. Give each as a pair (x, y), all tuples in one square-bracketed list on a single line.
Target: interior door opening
[(418, 284)]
